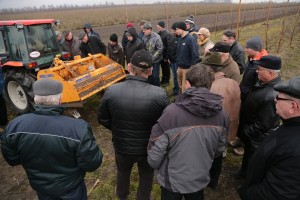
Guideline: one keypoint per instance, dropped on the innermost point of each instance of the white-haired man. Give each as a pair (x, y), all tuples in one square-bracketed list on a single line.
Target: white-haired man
[(273, 172), (55, 150)]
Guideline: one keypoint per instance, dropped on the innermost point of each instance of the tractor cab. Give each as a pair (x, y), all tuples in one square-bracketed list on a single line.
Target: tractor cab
[(28, 43)]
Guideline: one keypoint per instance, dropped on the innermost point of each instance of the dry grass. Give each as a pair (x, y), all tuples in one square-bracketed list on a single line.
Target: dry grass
[(103, 16)]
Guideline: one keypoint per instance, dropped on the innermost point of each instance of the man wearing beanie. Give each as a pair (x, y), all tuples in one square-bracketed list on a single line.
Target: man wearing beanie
[(168, 41), (273, 172), (52, 147), (258, 117), (129, 109), (186, 53), (204, 42), (115, 51), (254, 51), (191, 28), (153, 44)]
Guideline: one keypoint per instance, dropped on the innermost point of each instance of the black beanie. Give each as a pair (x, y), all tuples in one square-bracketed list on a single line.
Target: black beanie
[(161, 24), (113, 37), (181, 25)]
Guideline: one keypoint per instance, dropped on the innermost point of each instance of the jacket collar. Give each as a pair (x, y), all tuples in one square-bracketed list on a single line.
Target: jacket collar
[(270, 83), (294, 120), (136, 78), (48, 110)]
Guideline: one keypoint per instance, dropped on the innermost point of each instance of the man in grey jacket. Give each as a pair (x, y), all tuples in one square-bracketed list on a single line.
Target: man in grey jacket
[(155, 47), (187, 137)]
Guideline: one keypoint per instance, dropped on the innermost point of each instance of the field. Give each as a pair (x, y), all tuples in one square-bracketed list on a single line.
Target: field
[(14, 184)]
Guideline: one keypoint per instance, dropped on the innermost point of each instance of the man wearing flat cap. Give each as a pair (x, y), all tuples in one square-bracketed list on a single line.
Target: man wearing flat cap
[(273, 172), (130, 109), (258, 117), (56, 151), (154, 45), (229, 66)]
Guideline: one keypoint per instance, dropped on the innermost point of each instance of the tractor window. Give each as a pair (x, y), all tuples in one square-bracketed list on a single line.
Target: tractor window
[(17, 43), (2, 44), (41, 38)]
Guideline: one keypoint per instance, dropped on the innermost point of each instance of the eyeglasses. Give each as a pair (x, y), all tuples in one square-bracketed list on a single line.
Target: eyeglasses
[(277, 98)]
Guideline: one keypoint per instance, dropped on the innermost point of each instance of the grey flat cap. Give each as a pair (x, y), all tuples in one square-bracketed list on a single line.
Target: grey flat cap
[(46, 87)]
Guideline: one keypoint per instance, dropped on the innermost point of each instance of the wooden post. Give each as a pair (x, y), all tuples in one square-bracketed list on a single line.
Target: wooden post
[(238, 18), (281, 38), (267, 25), (126, 12), (167, 14)]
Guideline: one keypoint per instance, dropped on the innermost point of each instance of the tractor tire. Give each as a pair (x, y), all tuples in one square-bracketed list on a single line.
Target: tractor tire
[(18, 90)]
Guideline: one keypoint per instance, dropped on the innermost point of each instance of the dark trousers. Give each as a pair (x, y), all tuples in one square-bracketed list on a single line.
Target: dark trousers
[(3, 111), (174, 73), (154, 77), (124, 167), (168, 195), (165, 69), (215, 172), (248, 152), (78, 193)]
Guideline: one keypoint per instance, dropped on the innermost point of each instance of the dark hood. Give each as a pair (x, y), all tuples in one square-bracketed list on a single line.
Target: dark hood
[(133, 33), (200, 102)]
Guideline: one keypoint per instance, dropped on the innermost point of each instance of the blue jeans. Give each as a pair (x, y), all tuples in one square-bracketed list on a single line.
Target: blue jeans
[(154, 78), (174, 67), (78, 193)]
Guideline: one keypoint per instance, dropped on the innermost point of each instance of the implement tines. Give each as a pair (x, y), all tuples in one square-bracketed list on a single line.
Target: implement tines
[(99, 82)]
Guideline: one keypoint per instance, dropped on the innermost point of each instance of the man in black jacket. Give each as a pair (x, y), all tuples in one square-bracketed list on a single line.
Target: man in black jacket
[(273, 172), (91, 44), (130, 109), (55, 150), (258, 117), (236, 50), (168, 42)]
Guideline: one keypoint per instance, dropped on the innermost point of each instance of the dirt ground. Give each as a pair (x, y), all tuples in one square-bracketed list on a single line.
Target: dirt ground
[(14, 184)]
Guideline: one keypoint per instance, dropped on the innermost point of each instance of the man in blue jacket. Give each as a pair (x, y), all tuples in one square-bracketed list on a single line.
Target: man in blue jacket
[(187, 53), (56, 151)]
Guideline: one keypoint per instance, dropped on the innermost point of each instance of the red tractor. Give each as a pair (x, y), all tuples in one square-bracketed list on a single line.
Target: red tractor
[(26, 46), (29, 51)]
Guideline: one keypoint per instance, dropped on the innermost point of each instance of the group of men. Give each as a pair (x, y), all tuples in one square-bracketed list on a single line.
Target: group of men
[(185, 140)]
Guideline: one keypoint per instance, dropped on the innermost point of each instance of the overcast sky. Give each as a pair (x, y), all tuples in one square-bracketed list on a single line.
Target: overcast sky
[(38, 3)]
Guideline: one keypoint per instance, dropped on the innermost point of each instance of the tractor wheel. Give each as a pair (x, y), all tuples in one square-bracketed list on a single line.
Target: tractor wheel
[(18, 90)]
